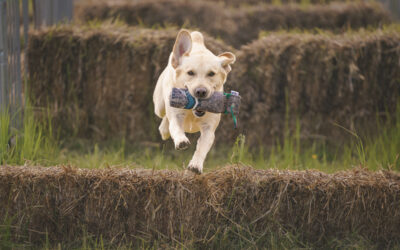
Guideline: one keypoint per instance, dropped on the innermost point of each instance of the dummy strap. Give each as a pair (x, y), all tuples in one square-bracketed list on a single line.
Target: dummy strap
[(231, 110), (191, 101)]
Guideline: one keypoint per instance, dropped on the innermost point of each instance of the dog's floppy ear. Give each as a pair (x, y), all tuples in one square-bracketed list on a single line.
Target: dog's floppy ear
[(227, 58), (182, 46)]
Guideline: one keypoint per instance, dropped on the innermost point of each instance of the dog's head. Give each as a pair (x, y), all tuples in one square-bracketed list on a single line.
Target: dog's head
[(197, 68)]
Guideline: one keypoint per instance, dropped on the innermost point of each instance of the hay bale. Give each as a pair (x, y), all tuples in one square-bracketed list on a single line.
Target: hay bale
[(238, 3), (333, 17), (123, 205), (238, 26), (98, 81), (229, 3), (208, 17), (328, 79)]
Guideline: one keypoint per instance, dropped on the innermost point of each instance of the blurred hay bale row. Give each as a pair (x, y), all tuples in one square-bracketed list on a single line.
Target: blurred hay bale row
[(63, 204), (229, 3), (237, 3), (98, 82), (320, 80), (237, 26)]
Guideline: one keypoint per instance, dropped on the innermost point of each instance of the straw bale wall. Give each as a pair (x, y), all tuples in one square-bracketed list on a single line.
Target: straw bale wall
[(98, 82), (321, 81), (237, 26), (124, 205)]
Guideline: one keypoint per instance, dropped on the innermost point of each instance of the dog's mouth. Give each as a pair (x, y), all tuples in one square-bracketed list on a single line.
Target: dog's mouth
[(199, 113)]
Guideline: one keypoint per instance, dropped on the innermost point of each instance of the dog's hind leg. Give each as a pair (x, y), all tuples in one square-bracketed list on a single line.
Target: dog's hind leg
[(164, 128)]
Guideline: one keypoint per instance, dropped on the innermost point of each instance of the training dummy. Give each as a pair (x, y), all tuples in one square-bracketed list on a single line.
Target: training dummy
[(219, 102)]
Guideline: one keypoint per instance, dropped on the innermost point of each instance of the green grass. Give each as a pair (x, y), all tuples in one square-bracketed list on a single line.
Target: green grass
[(234, 237), (35, 144), (4, 134)]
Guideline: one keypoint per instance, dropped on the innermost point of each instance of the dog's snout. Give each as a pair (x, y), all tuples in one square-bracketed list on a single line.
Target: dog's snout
[(200, 92)]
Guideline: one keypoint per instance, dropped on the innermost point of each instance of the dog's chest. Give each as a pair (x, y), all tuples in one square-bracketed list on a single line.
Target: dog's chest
[(191, 122)]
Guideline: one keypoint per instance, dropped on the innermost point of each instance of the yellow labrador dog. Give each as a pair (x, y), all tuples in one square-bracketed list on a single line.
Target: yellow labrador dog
[(191, 65)]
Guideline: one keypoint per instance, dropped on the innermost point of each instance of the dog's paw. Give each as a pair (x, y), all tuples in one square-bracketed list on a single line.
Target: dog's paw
[(195, 168), (182, 144)]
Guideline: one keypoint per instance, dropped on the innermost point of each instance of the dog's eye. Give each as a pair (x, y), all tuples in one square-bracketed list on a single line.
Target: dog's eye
[(191, 73), (211, 74)]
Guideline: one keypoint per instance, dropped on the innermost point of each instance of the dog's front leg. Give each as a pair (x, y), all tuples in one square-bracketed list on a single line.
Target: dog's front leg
[(204, 144), (176, 119)]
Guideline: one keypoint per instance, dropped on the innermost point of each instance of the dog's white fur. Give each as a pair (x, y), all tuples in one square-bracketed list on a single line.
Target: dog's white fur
[(190, 54)]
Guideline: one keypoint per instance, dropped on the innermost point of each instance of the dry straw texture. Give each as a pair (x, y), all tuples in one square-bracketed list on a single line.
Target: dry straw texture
[(125, 205), (237, 26), (322, 79), (98, 82), (237, 3), (209, 17)]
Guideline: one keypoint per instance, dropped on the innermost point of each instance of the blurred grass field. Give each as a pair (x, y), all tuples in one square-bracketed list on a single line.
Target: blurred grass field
[(37, 144)]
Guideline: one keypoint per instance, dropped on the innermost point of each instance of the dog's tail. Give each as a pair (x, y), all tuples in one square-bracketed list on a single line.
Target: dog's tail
[(197, 37)]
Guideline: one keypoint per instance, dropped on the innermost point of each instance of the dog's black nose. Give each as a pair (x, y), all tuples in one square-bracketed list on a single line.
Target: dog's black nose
[(200, 92)]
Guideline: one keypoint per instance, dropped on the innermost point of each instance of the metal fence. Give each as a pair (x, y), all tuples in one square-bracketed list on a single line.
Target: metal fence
[(46, 13), (393, 6), (10, 59), (50, 12)]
